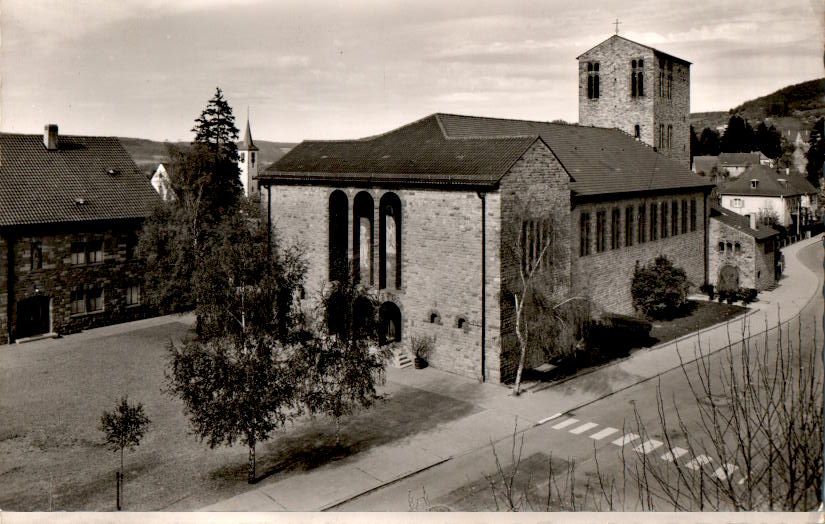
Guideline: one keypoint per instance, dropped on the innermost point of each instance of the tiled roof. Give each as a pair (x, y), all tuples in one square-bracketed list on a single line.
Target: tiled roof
[(445, 148), (801, 184), (657, 51), (739, 159), (768, 184), (86, 178), (742, 223), (705, 164)]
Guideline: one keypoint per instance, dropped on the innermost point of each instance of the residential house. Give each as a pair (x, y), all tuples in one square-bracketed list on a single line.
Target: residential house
[(760, 191)]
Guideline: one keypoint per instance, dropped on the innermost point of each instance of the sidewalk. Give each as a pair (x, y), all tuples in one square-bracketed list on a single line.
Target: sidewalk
[(330, 485)]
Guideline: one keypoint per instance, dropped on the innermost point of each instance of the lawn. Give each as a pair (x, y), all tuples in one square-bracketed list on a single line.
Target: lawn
[(52, 394), (701, 315)]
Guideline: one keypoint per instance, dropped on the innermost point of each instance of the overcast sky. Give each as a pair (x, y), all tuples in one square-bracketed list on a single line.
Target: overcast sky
[(351, 68)]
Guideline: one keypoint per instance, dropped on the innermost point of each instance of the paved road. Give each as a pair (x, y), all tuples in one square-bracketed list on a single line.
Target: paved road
[(601, 431)]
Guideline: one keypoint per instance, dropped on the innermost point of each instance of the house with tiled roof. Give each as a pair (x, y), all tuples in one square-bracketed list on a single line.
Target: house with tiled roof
[(70, 211), (763, 192), (743, 253), (736, 163)]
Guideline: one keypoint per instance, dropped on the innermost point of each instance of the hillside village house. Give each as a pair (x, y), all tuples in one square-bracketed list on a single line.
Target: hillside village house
[(71, 210), (430, 213), (730, 164), (761, 191)]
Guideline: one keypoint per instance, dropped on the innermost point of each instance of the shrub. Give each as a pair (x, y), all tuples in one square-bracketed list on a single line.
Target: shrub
[(618, 334), (659, 289), (708, 290), (422, 346)]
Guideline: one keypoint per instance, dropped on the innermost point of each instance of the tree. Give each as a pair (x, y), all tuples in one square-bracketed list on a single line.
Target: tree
[(709, 142), (345, 363), (659, 289), (768, 141), (124, 428), (738, 137), (816, 153), (235, 390)]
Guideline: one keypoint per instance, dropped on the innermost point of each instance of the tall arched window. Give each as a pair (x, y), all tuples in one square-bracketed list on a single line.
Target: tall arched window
[(362, 237), (389, 241), (338, 214)]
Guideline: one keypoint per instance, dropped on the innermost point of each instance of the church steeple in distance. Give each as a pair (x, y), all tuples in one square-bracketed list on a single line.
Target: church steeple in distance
[(248, 161)]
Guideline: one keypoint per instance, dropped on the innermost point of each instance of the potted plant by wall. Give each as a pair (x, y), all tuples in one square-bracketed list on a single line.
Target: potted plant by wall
[(421, 347)]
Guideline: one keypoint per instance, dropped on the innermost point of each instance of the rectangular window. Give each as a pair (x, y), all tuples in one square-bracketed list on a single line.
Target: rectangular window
[(601, 223), (684, 217), (661, 136), (78, 253), (94, 252), (535, 245), (36, 255), (131, 245), (669, 136), (615, 228), (77, 302), (721, 247), (654, 219), (628, 226), (94, 300), (669, 79), (592, 80), (674, 218), (665, 225), (693, 215), (584, 234), (642, 224), (133, 295)]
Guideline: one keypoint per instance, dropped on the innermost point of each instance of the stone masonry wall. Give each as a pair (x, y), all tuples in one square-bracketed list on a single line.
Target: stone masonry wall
[(537, 188), (441, 264), (675, 110), (58, 277), (606, 276), (754, 265)]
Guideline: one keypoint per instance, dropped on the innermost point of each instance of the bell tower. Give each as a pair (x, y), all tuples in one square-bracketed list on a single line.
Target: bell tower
[(248, 162)]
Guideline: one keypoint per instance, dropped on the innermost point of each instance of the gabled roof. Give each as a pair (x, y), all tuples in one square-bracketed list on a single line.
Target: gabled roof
[(740, 159), (740, 222), (768, 184), (87, 178), (801, 184), (705, 164), (656, 51), (247, 144), (445, 148)]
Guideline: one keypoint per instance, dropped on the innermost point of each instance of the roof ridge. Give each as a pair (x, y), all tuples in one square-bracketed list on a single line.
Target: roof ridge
[(544, 122), (655, 50)]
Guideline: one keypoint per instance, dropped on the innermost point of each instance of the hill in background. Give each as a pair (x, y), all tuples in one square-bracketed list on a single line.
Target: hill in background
[(791, 109), (147, 154)]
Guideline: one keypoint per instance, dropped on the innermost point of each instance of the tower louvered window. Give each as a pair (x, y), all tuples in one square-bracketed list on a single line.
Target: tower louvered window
[(592, 80)]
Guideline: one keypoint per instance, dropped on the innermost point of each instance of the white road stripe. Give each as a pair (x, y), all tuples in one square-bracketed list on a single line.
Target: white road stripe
[(630, 437), (648, 446), (584, 427), (723, 472), (673, 454), (548, 419), (568, 422), (606, 432), (698, 462)]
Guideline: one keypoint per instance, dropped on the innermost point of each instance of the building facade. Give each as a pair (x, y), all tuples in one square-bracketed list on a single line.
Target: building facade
[(72, 207), (742, 252), (639, 90)]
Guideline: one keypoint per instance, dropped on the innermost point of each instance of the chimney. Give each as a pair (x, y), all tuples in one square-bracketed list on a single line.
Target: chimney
[(50, 137), (754, 222)]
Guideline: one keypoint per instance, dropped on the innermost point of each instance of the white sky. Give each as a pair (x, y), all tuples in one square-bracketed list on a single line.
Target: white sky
[(350, 68)]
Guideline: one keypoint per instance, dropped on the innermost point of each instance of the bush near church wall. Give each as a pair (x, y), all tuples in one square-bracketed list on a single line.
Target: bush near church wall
[(659, 289)]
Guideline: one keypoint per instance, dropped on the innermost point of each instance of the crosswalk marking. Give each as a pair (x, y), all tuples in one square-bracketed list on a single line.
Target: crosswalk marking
[(584, 427), (606, 432), (548, 419), (630, 437), (698, 462), (723, 472), (648, 446), (568, 422), (673, 454)]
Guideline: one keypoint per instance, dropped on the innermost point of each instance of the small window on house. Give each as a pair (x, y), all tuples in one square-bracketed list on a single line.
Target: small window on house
[(669, 136), (615, 228), (77, 302), (584, 234), (693, 215), (737, 248), (628, 226), (461, 323), (133, 295), (661, 136), (36, 256), (131, 245), (243, 156), (728, 247), (637, 131), (78, 255), (94, 253), (94, 299), (721, 247), (601, 223), (754, 183)]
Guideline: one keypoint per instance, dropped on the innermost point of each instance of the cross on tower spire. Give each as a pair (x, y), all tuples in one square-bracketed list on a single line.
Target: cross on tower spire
[(617, 25)]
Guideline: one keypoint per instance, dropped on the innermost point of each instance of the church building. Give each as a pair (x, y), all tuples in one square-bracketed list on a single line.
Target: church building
[(430, 215)]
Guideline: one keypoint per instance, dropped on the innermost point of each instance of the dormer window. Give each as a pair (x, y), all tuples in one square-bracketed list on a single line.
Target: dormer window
[(754, 183)]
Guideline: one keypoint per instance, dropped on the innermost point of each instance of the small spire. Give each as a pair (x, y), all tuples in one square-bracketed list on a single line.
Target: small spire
[(247, 144)]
